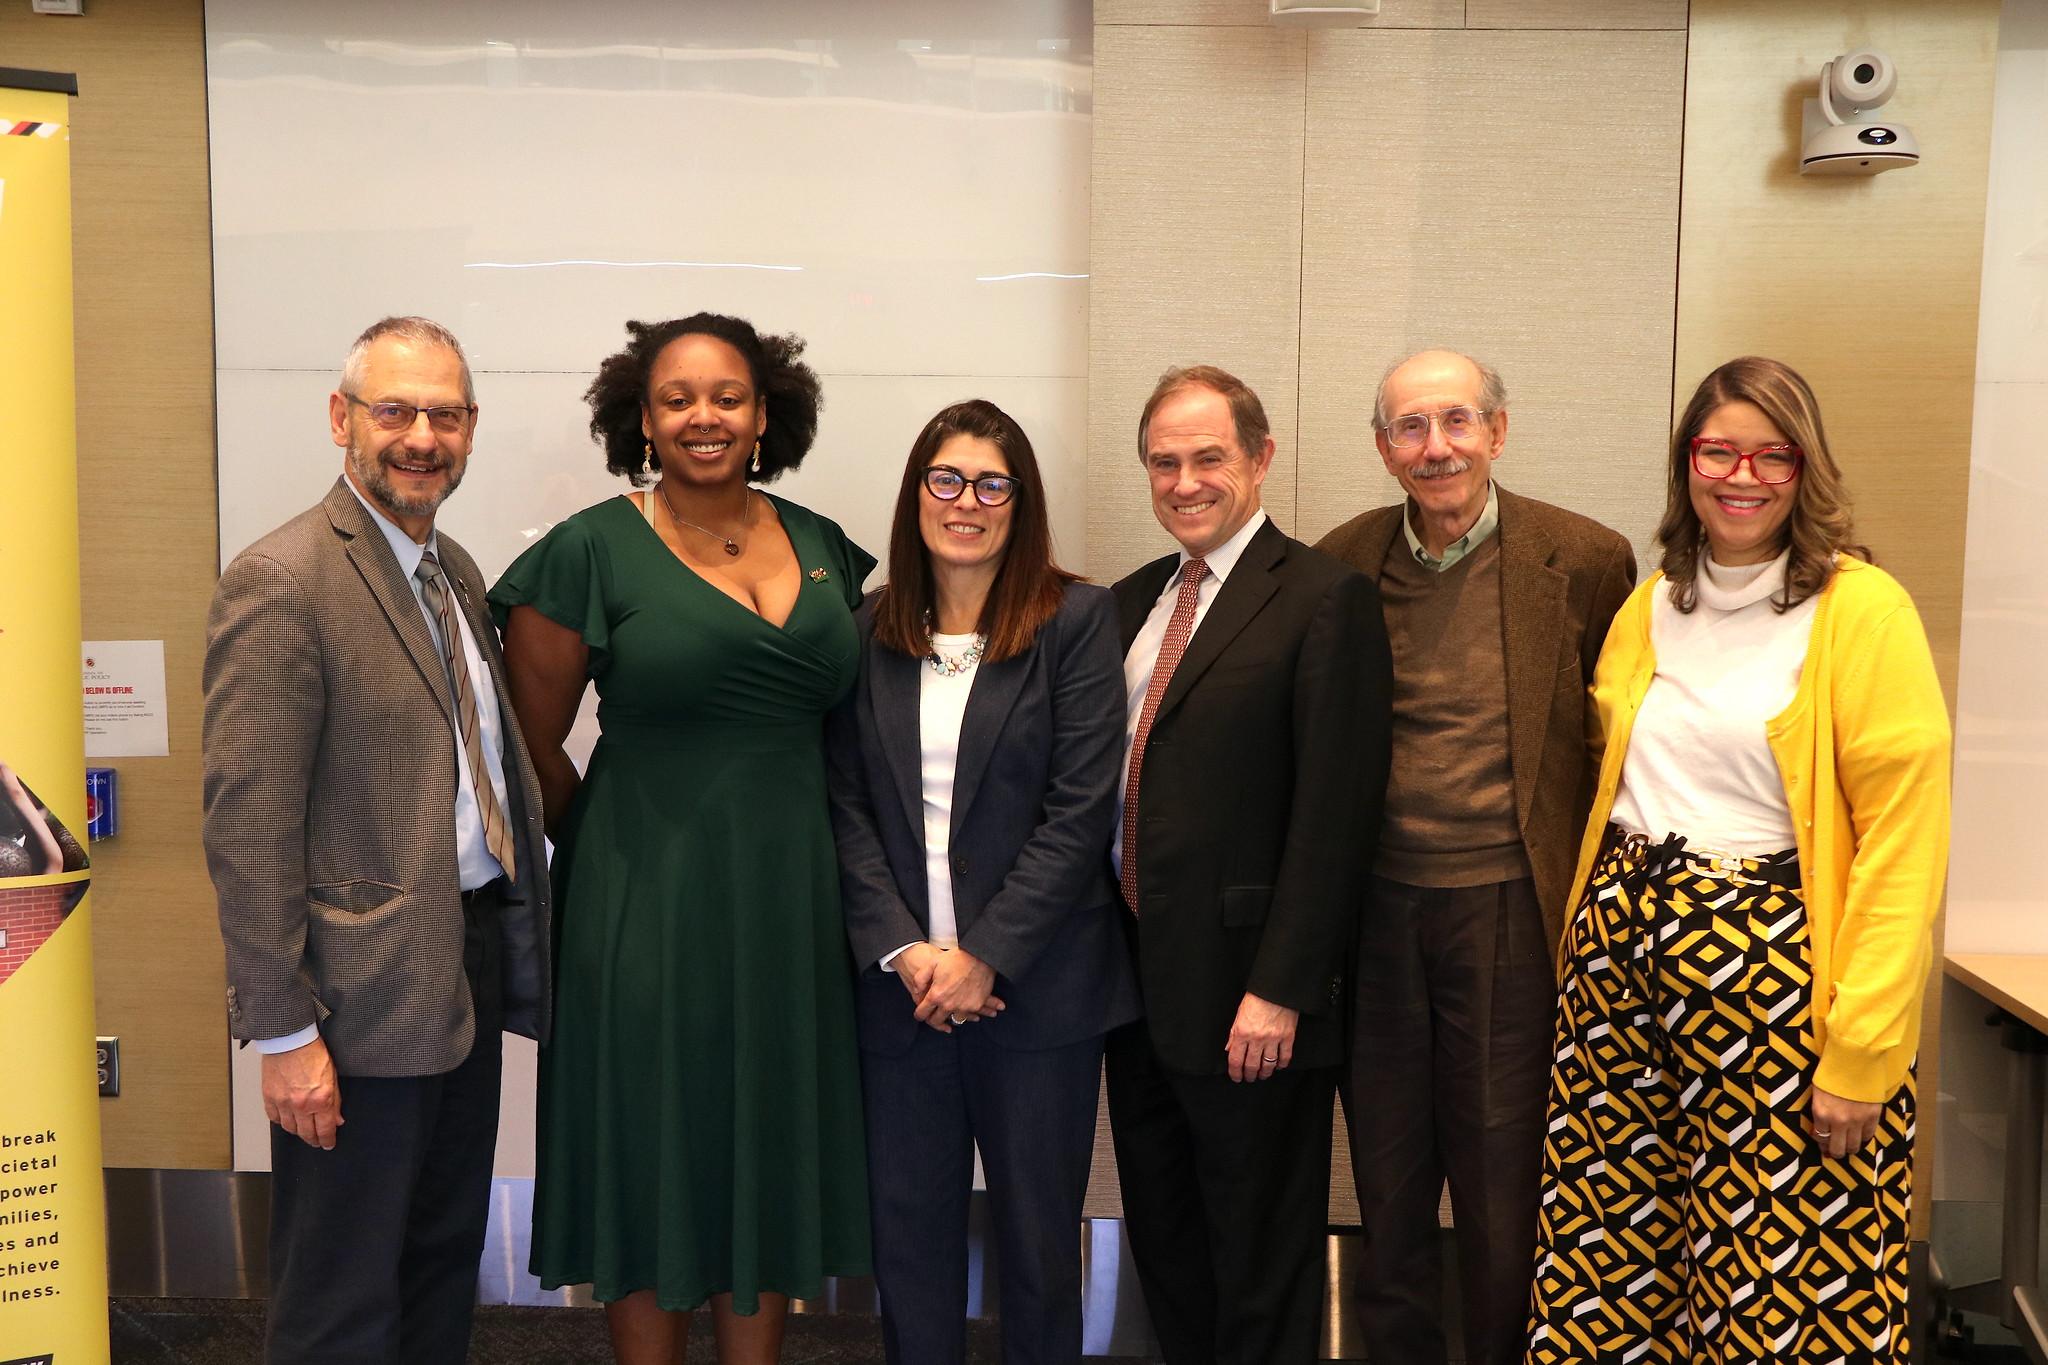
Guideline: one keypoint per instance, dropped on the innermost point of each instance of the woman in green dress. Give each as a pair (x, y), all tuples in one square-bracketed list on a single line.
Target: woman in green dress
[(699, 1118)]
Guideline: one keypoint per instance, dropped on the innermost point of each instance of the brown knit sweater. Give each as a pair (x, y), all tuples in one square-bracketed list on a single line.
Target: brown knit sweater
[(1450, 814)]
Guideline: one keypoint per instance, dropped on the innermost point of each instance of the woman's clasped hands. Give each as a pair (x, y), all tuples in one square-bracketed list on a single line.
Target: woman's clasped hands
[(949, 985)]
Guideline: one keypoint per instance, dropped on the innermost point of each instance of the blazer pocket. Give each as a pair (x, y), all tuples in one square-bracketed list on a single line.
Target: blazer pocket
[(1245, 907), (358, 897)]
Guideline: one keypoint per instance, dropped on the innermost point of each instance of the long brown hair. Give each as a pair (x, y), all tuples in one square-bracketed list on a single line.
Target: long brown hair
[(1821, 524), (1028, 587)]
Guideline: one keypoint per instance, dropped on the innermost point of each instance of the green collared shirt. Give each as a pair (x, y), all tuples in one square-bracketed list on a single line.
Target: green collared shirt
[(1488, 523)]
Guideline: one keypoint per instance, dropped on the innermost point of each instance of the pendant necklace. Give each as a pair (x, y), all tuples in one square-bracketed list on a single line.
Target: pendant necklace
[(731, 546)]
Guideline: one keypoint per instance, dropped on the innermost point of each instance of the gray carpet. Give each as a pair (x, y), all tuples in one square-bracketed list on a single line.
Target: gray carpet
[(230, 1332)]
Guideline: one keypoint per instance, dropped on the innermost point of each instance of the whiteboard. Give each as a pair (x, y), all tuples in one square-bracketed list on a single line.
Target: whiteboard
[(904, 185)]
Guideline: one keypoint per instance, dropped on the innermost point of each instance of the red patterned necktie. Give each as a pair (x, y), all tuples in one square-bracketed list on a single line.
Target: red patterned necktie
[(497, 835), (1178, 630)]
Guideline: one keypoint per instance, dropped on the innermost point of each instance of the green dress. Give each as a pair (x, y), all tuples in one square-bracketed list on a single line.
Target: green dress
[(699, 1120)]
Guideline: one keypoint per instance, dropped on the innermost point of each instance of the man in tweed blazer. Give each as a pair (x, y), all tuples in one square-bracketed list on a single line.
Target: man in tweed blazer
[(1496, 607), (373, 832)]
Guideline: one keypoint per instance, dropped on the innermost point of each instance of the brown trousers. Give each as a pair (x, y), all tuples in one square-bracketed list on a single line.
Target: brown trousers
[(1456, 1006)]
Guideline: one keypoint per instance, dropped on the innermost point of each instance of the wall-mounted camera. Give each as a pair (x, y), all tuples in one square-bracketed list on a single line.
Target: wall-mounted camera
[(1842, 135)]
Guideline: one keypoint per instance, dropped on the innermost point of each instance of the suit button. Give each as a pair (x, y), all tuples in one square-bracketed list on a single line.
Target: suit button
[(960, 866)]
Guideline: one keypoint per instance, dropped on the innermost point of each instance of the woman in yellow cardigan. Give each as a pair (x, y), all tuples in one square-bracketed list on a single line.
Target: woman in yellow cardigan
[(1728, 1163)]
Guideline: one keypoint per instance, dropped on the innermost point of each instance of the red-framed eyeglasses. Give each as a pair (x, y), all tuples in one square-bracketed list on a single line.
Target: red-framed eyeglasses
[(1713, 458)]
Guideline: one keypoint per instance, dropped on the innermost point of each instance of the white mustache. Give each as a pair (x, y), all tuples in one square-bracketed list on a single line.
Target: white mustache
[(1440, 469)]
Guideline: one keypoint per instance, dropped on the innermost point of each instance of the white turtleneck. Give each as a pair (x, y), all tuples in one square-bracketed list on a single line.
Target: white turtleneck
[(1699, 763)]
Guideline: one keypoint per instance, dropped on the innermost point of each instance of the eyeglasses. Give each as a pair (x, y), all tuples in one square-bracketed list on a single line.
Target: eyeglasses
[(990, 490), (1717, 459), (450, 417), (1457, 424)]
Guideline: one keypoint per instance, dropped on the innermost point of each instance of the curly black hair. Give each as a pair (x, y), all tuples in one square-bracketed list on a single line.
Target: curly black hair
[(781, 379)]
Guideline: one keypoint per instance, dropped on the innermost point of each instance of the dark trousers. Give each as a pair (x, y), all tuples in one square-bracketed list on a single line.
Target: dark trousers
[(1226, 1190), (1032, 1113), (1450, 1062), (374, 1245)]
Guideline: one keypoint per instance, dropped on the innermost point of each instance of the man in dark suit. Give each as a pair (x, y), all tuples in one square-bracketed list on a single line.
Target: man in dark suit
[(373, 832), (1496, 606), (1256, 674)]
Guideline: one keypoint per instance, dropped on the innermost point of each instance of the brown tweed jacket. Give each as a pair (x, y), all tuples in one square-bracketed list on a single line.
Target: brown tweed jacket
[(1562, 578), (330, 782)]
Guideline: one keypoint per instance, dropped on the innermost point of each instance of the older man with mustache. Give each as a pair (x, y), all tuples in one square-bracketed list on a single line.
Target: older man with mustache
[(1496, 607)]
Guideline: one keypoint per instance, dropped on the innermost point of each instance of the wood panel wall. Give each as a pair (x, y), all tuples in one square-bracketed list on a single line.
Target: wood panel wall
[(142, 253)]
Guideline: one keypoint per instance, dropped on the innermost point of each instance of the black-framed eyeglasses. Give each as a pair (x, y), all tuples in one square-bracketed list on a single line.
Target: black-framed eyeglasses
[(946, 483), (1713, 458), (447, 417)]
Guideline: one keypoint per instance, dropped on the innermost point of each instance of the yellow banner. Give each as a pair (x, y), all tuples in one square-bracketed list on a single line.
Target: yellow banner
[(53, 1262)]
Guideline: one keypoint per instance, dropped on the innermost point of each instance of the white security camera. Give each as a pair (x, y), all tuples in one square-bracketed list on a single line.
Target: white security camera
[(1841, 136), (1858, 82)]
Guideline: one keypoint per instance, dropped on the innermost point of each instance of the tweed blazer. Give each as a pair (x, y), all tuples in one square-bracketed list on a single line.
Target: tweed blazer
[(1562, 578), (330, 786)]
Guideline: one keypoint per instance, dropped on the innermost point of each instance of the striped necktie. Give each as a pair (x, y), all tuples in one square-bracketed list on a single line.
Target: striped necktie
[(497, 835)]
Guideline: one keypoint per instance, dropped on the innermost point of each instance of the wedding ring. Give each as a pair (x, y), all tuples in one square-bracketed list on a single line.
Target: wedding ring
[(957, 1018), (1274, 1058), (1823, 1132)]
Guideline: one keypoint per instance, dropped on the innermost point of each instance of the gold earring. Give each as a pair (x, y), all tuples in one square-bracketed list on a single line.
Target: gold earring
[(646, 457), (754, 465)]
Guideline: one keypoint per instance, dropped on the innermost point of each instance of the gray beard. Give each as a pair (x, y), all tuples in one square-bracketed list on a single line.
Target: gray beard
[(370, 473)]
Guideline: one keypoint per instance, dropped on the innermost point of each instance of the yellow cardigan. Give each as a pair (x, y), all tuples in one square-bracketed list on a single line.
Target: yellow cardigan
[(1863, 751)]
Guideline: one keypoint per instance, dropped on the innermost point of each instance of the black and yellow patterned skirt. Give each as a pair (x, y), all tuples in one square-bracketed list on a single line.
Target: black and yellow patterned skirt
[(1688, 1213)]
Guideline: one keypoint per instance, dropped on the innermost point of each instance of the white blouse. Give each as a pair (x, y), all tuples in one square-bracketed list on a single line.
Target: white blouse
[(1699, 761), (941, 707)]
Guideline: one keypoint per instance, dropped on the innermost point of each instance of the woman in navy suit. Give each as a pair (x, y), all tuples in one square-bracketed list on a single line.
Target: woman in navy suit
[(973, 780)]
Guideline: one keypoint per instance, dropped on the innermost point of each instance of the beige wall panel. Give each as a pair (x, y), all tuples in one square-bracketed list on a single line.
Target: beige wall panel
[(1196, 248), (1593, 14), (143, 271), (1258, 13), (1867, 286), (1544, 242)]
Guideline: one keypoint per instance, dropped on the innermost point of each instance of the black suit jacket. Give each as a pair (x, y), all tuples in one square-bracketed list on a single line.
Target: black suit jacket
[(1034, 805), (1259, 808)]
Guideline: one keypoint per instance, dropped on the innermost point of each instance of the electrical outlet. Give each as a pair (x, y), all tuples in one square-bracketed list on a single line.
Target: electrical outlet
[(58, 6), (109, 1051)]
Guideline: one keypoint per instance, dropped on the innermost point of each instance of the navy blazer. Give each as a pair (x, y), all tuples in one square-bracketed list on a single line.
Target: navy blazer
[(1034, 806)]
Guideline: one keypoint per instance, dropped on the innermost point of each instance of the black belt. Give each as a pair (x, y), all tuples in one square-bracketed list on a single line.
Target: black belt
[(494, 887)]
